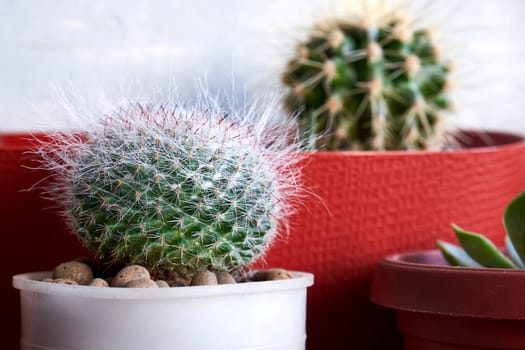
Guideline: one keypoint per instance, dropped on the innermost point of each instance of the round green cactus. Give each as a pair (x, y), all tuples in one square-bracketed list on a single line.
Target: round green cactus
[(370, 85), (174, 189)]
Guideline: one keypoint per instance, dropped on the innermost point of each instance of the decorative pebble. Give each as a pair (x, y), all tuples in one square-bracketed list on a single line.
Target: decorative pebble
[(99, 282), (74, 270), (203, 278), (135, 276), (162, 284), (271, 275), (128, 274), (142, 283), (225, 278), (65, 281)]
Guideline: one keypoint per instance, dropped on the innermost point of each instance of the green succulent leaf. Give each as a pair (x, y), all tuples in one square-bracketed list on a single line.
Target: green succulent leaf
[(456, 256), (514, 221), (513, 253), (481, 249)]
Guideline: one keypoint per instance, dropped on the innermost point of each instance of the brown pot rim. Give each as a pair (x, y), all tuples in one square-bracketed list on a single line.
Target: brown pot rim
[(422, 282), (512, 140)]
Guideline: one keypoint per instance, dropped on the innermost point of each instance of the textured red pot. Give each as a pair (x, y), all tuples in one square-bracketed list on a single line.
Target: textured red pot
[(442, 307), (32, 235), (373, 204)]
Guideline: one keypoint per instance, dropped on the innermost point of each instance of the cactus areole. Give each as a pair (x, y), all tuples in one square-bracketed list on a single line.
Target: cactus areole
[(172, 189), (364, 84)]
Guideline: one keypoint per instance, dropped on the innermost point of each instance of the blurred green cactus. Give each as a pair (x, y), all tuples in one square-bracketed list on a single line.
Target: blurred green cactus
[(364, 84)]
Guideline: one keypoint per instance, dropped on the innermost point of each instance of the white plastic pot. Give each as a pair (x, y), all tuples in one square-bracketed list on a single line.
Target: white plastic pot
[(244, 316)]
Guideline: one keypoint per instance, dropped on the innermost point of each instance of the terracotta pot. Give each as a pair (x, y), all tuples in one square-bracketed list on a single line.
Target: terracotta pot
[(442, 307), (33, 235), (372, 204)]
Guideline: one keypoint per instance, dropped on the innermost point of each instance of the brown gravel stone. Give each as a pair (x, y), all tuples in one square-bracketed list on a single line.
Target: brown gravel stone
[(242, 275), (65, 281), (142, 283), (162, 284), (225, 278), (99, 282), (74, 270), (203, 278), (128, 274), (271, 275)]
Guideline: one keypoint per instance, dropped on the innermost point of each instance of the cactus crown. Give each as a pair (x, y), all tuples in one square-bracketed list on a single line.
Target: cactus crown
[(369, 81), (478, 251), (175, 188)]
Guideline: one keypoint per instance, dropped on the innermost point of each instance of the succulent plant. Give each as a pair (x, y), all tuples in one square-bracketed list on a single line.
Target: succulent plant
[(478, 251), (369, 80), (175, 188)]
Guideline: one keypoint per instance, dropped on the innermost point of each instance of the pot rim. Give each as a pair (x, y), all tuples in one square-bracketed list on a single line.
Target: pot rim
[(31, 282), (515, 140), (12, 141), (406, 282), (406, 261)]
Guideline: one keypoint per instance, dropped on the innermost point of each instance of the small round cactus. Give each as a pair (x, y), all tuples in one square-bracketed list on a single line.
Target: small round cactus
[(370, 81), (175, 188)]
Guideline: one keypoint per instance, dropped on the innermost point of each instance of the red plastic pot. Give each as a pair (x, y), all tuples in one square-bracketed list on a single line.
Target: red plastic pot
[(33, 236), (454, 308), (372, 204)]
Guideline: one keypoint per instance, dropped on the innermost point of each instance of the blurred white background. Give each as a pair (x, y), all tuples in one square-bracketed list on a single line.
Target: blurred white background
[(121, 47)]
